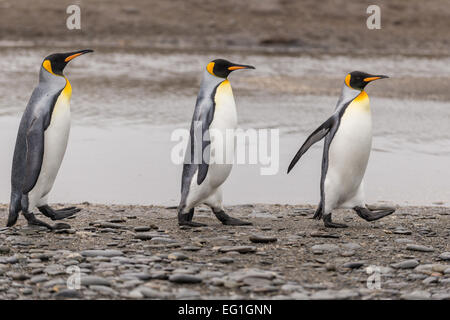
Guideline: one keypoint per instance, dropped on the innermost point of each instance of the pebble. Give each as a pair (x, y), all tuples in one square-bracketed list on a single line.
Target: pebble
[(4, 250), (418, 247), (68, 294), (101, 253), (240, 249), (142, 229), (104, 290), (416, 295), (323, 248), (402, 231), (184, 278), (262, 239), (144, 236), (353, 264), (405, 264), (39, 279), (177, 256), (319, 234), (152, 293), (445, 256), (94, 280)]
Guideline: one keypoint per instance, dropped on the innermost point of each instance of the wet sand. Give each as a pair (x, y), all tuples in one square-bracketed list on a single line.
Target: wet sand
[(136, 252), (412, 27)]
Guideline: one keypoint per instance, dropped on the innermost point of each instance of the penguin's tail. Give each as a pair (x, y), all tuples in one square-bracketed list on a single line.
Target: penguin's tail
[(14, 209)]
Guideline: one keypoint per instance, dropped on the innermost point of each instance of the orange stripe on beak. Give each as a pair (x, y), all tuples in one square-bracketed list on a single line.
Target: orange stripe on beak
[(72, 57), (236, 68), (371, 79)]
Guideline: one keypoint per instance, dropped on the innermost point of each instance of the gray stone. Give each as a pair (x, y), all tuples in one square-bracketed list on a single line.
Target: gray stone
[(240, 249), (351, 246), (418, 247), (94, 280), (39, 279), (184, 278), (353, 264), (177, 256), (405, 264), (445, 256), (262, 239), (68, 294), (4, 250), (416, 295), (101, 253), (152, 293), (104, 290), (323, 248), (142, 229), (54, 269)]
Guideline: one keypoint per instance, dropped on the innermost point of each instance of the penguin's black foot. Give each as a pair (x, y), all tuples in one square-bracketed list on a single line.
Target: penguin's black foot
[(58, 214), (185, 219), (330, 224), (318, 213), (33, 221), (191, 224), (230, 221), (12, 219), (372, 215)]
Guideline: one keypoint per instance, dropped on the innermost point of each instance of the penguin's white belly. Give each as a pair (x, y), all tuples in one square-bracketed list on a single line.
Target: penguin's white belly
[(221, 148), (222, 136), (55, 143), (348, 156)]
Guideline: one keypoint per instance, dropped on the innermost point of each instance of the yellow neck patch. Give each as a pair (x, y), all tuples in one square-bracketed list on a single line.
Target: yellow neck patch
[(48, 66), (210, 68), (67, 92), (361, 102)]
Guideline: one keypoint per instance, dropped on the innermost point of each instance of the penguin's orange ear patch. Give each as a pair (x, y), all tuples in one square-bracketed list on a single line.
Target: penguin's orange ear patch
[(210, 68), (48, 66), (347, 80)]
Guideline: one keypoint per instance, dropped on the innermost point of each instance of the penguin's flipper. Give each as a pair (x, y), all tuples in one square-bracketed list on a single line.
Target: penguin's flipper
[(206, 119), (34, 153), (316, 136)]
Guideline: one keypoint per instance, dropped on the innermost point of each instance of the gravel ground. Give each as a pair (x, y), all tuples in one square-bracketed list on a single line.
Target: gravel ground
[(136, 252)]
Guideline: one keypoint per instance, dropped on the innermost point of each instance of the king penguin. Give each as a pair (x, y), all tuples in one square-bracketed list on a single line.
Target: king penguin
[(41, 143), (348, 141), (215, 112)]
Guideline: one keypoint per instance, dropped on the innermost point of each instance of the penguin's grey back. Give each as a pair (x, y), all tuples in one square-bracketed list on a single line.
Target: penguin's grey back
[(40, 106)]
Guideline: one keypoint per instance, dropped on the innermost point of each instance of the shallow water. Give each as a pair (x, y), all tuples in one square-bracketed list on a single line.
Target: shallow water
[(126, 105)]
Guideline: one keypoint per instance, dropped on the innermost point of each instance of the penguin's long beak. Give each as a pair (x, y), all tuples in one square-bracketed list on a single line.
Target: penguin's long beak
[(373, 78), (73, 55), (240, 66)]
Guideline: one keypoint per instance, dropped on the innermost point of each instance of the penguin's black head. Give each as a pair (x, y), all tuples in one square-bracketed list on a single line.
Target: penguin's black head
[(55, 63), (358, 80), (222, 68)]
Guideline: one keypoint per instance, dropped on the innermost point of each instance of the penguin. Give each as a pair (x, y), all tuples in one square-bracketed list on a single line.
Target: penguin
[(202, 177), (348, 141), (41, 143)]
